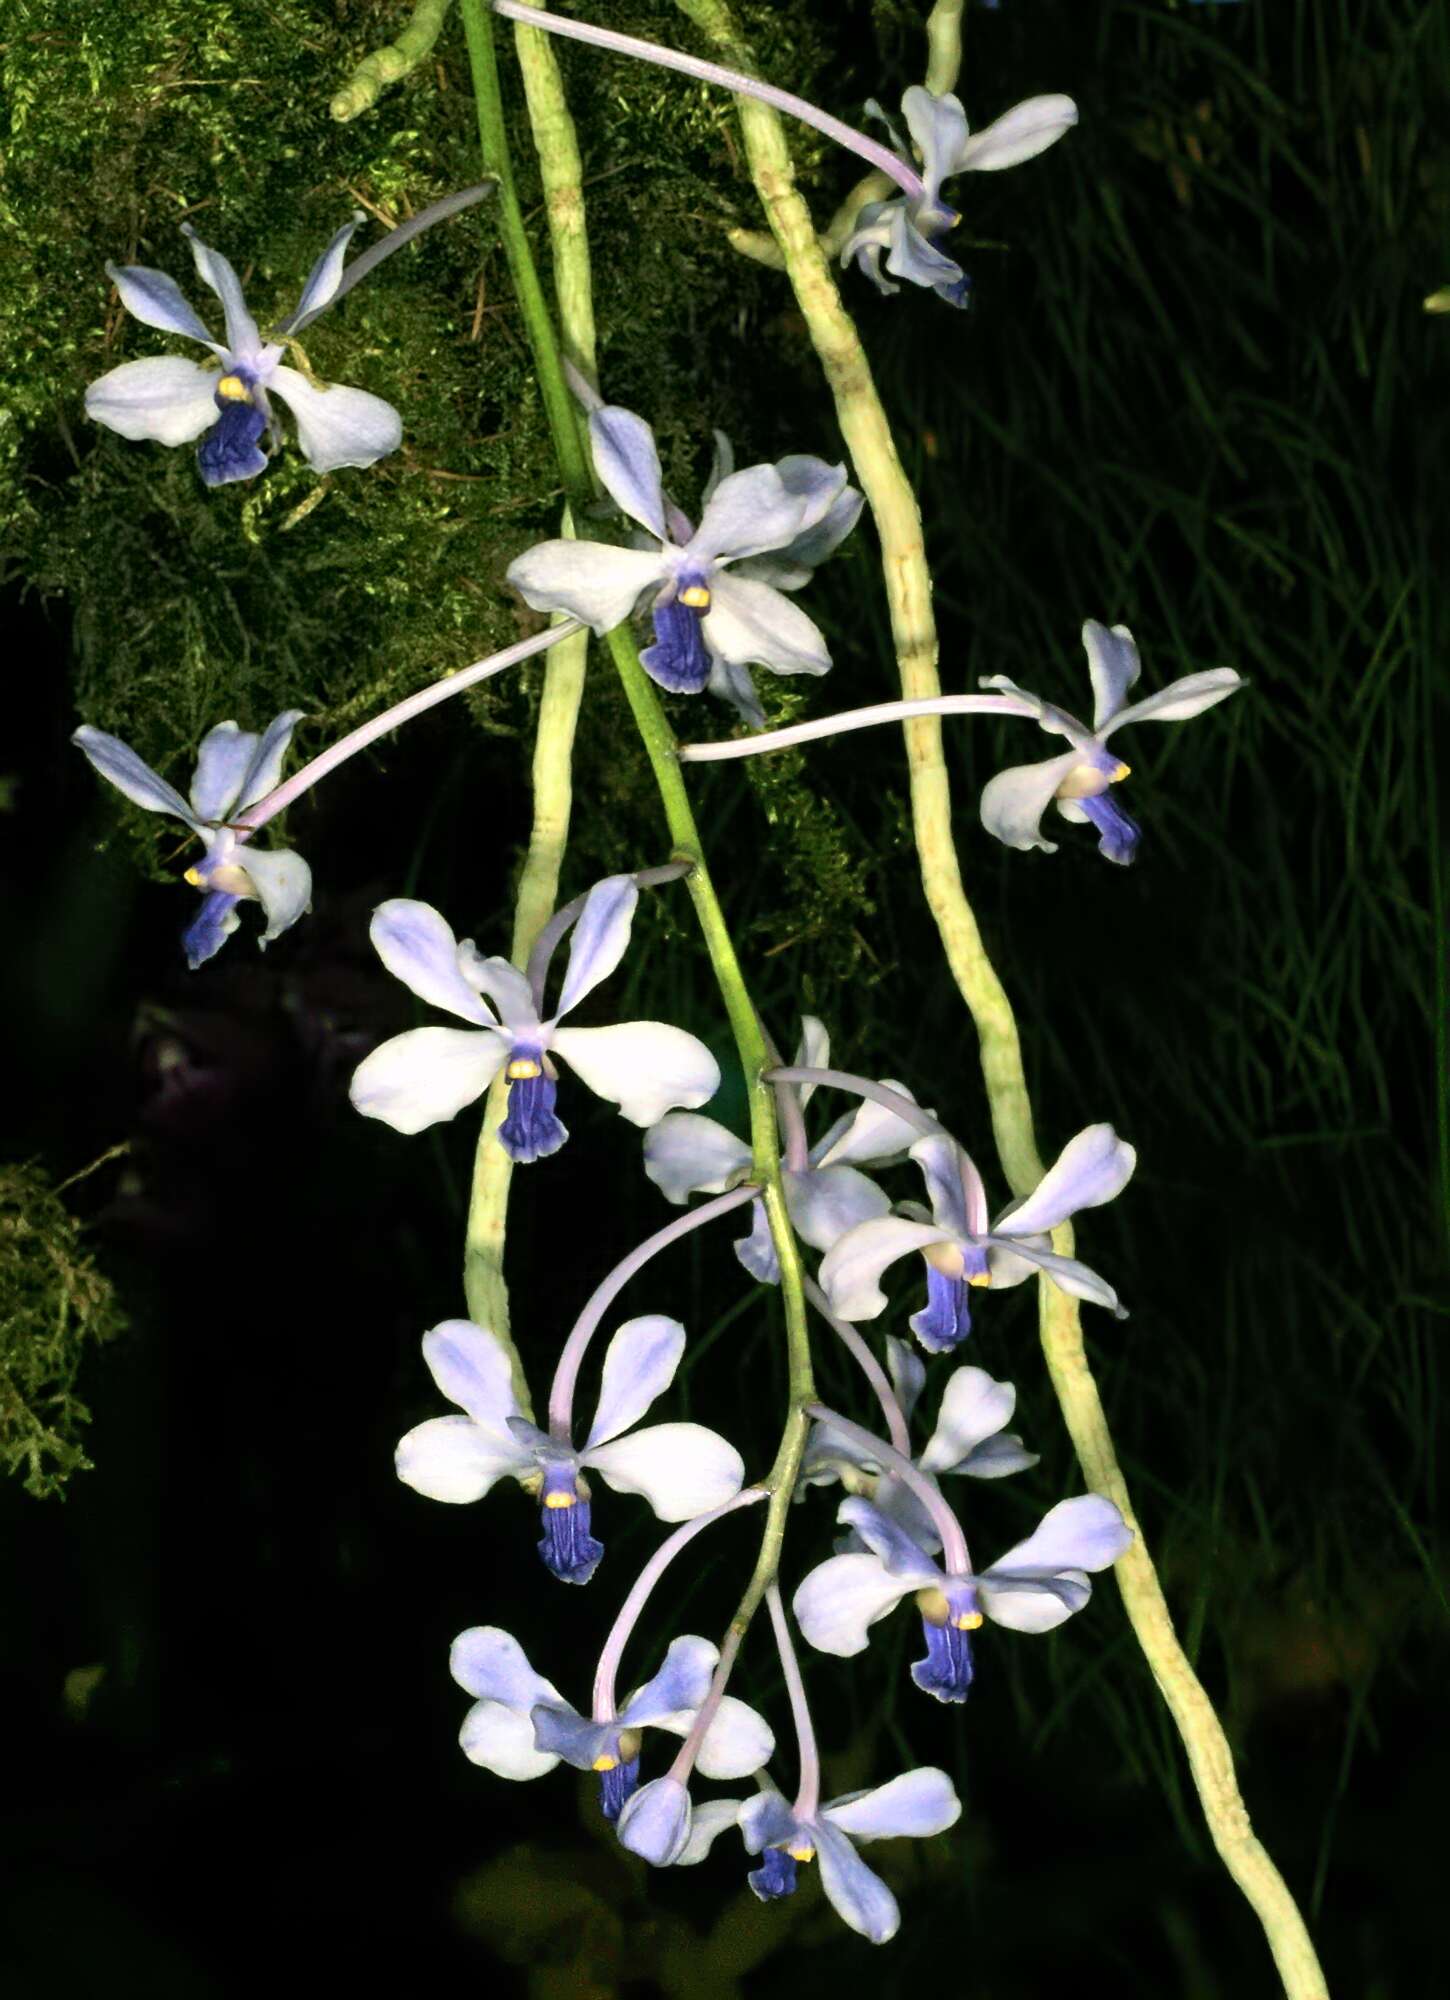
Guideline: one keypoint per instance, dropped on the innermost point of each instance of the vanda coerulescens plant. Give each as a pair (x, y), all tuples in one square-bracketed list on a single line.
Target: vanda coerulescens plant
[(714, 595)]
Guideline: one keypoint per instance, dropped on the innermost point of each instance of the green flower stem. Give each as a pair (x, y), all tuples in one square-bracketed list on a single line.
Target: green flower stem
[(485, 1288), (659, 746), (389, 65), (879, 473)]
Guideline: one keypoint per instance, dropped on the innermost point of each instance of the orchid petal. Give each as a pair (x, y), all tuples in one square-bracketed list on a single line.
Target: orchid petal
[(915, 1806), (855, 1892), (119, 765), (1086, 1532), (591, 580), (244, 343), (912, 256), (264, 770), (1181, 699), (1033, 1603), (222, 761), (210, 928), (155, 298), (325, 276), (502, 1741), (471, 1367), (645, 1067), (165, 398), (756, 1250), (737, 1744), (489, 1663), (889, 1542), (733, 684), (337, 426), (562, 1732), (639, 1365), (686, 1154), (938, 125), (997, 1458), (682, 1683), (1028, 129), (655, 1822), (871, 1135), (973, 1408), (600, 938), (452, 1459), (628, 464), (1065, 1272), (844, 1596), (954, 1187), (504, 985), (813, 1051), (425, 1076), (907, 1371), (750, 624), (1113, 667), (751, 511), (1014, 801), (824, 1202), (820, 537), (707, 1822), (851, 1269), (767, 1821), (417, 945), (282, 881), (1091, 1168), (681, 1470)]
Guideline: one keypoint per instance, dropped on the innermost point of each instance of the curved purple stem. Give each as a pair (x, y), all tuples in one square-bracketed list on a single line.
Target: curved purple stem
[(861, 1086), (566, 1375), (281, 796), (868, 1364), (953, 1541), (853, 718), (878, 155), (808, 1797), (644, 1583)]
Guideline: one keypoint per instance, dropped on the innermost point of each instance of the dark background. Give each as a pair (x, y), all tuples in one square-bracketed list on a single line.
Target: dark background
[(1196, 392)]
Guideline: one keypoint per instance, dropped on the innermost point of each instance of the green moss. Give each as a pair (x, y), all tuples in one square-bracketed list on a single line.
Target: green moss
[(54, 1304)]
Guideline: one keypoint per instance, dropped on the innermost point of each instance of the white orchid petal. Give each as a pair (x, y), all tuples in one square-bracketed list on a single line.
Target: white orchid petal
[(337, 426), (165, 398), (681, 1469), (590, 580), (426, 1075), (843, 1597), (645, 1067), (639, 1365), (450, 1458)]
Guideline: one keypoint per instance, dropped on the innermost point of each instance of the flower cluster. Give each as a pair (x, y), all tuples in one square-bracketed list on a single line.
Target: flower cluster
[(885, 1184)]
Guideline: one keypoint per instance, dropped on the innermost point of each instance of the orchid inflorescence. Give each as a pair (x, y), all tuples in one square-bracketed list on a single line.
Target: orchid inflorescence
[(884, 1184)]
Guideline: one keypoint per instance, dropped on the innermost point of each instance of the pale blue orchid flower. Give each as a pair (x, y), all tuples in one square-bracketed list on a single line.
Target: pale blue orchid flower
[(521, 1727), (914, 1806), (1036, 1585), (825, 1192), (429, 1074), (228, 405), (715, 614), (903, 231), (679, 1469), (962, 1248), (234, 769), (1014, 801), (971, 1440)]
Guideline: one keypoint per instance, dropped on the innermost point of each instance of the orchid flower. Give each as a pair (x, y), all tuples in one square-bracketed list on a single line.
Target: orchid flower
[(962, 1248), (1034, 1586), (234, 768), (680, 1469), (429, 1074), (172, 400), (1014, 801), (916, 1805), (714, 613), (825, 1191), (520, 1726), (970, 1439), (905, 228)]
